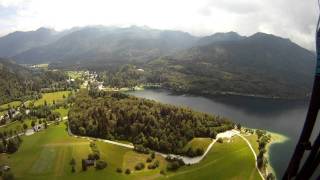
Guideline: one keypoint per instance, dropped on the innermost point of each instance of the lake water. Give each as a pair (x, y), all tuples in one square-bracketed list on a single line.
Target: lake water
[(281, 116)]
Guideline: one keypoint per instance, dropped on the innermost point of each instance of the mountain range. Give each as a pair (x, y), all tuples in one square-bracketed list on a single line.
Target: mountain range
[(222, 62)]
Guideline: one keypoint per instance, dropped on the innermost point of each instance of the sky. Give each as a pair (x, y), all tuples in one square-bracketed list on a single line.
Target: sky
[(293, 19)]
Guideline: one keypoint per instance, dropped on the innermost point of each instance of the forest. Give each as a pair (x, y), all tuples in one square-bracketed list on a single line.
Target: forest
[(22, 83), (152, 125)]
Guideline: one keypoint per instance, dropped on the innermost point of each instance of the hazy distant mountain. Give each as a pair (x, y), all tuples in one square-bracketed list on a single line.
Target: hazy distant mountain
[(109, 44), (219, 37), (261, 64), (17, 42)]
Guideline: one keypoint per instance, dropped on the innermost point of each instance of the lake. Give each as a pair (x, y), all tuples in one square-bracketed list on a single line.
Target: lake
[(281, 116)]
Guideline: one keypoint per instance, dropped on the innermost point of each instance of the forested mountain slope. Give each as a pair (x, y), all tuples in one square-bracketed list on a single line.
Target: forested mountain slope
[(261, 64), (17, 82)]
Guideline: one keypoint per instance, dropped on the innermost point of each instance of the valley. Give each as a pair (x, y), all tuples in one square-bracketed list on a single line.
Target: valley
[(49, 150), (141, 103)]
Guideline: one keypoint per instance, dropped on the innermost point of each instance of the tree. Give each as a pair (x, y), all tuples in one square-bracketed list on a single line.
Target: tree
[(82, 131), (173, 166), (2, 147), (239, 126), (73, 169), (100, 164), (45, 103), (149, 159), (260, 133), (271, 176), (153, 155), (119, 170), (199, 151), (84, 165), (8, 176), (128, 171), (73, 164), (25, 126), (33, 123), (139, 166), (13, 145)]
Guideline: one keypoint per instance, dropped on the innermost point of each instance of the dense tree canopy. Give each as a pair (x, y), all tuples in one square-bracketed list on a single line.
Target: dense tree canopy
[(153, 125), (20, 83)]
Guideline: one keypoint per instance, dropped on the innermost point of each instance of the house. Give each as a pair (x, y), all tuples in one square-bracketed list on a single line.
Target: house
[(37, 127)]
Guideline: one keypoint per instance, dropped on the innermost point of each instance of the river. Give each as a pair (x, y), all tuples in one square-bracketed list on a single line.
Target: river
[(281, 116)]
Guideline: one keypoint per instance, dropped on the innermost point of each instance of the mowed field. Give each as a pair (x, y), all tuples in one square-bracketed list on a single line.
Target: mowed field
[(232, 160), (63, 112), (12, 104), (50, 97), (46, 155)]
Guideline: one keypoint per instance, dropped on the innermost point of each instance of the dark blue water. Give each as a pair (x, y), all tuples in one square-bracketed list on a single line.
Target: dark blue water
[(281, 116)]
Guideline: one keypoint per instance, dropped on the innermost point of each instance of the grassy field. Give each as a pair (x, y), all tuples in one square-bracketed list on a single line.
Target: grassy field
[(232, 160), (253, 141), (49, 97), (12, 104), (62, 111), (201, 143), (17, 125), (47, 155)]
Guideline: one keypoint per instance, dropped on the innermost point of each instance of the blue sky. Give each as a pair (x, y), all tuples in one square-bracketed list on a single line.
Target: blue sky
[(294, 19)]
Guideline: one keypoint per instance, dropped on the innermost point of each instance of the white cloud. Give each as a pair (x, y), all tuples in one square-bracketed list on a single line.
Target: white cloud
[(294, 19)]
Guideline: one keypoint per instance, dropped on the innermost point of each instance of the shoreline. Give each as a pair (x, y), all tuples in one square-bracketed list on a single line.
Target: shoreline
[(219, 94), (276, 138)]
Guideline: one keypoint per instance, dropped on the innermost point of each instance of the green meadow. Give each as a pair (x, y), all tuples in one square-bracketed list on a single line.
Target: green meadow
[(201, 143), (11, 104), (232, 160), (50, 97), (62, 111), (48, 153)]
